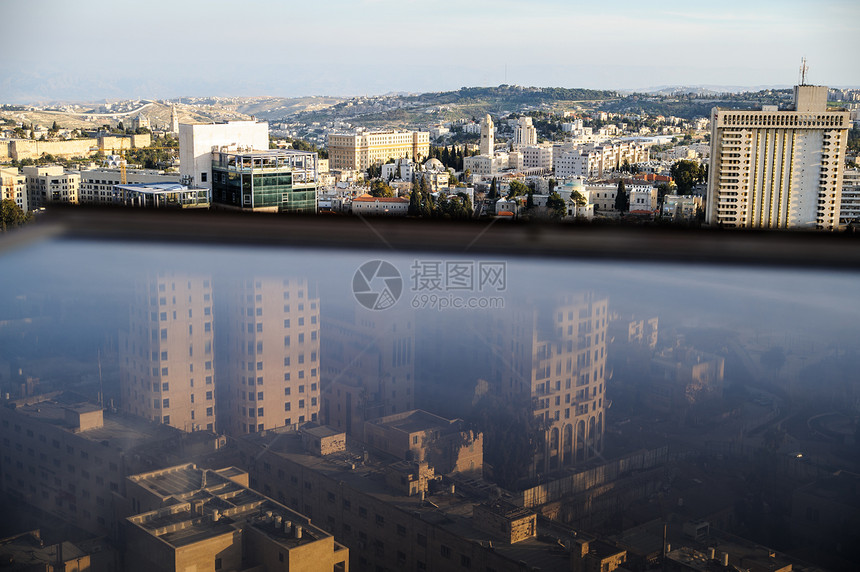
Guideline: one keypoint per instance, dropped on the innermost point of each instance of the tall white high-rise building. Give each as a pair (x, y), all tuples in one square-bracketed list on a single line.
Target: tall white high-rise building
[(487, 136), (525, 133), (778, 169)]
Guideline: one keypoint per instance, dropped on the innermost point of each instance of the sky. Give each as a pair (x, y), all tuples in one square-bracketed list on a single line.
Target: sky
[(55, 50)]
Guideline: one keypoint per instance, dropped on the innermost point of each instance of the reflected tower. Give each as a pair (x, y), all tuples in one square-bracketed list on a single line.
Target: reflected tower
[(166, 356), (369, 368), (268, 353), (555, 353)]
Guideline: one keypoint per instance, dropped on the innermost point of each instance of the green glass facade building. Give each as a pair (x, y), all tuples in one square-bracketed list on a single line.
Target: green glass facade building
[(277, 180)]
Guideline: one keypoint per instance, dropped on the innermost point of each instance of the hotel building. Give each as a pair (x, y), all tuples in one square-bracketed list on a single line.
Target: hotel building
[(778, 169), (358, 151)]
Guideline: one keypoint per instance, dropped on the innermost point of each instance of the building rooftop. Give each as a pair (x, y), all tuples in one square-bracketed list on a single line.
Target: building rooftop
[(27, 551), (413, 421), (449, 510), (370, 199), (118, 431), (208, 504)]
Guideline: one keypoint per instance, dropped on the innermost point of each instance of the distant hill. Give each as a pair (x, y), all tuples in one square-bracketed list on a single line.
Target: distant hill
[(379, 111)]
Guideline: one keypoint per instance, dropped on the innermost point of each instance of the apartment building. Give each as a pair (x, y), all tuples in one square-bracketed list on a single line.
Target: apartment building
[(69, 458), (203, 519), (445, 444), (97, 185), (525, 134), (50, 184), (849, 207), (774, 168), (269, 353), (167, 357), (555, 355), (593, 160), (13, 187), (642, 197), (401, 515), (358, 151), (537, 157)]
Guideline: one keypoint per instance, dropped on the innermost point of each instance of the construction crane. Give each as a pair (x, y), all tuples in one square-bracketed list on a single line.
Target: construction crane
[(123, 176)]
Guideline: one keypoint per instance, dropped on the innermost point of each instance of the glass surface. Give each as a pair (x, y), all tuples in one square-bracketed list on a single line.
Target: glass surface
[(724, 378)]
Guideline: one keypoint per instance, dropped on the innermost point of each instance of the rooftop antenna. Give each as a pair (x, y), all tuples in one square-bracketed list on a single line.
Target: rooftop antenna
[(803, 69)]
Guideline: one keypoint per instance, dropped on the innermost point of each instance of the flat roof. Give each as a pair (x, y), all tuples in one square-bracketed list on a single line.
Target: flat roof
[(119, 430), (452, 512), (210, 505), (413, 421)]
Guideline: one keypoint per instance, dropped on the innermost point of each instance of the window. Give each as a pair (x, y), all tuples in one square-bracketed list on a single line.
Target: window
[(445, 551)]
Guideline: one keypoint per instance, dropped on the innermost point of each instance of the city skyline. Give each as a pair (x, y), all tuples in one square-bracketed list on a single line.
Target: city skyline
[(354, 48)]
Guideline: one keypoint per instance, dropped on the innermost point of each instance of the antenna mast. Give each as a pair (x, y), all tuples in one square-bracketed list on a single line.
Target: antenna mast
[(803, 69)]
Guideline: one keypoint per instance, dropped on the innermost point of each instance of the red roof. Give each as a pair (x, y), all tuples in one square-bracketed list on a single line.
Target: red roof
[(369, 199)]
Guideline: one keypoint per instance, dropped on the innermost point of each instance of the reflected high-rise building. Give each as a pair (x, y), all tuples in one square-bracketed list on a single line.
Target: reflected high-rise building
[(268, 353), (555, 353), (369, 368), (166, 356)]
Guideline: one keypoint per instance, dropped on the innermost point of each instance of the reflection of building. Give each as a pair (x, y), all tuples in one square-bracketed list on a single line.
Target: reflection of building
[(778, 169), (277, 180), (849, 208), (596, 556), (167, 371), (630, 330), (369, 370), (200, 519), (27, 552), (825, 516), (70, 458), (682, 376), (421, 436), (556, 356), (399, 515), (358, 151), (268, 359)]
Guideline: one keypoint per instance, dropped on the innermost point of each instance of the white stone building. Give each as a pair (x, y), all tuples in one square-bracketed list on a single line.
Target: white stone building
[(198, 141)]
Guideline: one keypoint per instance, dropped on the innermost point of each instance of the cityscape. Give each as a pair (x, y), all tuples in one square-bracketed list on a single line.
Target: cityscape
[(542, 310)]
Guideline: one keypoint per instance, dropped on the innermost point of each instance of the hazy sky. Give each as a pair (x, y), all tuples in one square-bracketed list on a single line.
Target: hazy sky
[(56, 49)]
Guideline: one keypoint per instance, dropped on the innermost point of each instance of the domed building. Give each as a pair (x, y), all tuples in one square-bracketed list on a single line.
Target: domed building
[(434, 165)]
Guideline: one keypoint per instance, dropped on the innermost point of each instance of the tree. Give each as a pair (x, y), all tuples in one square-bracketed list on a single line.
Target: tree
[(578, 198), (379, 188), (622, 200), (11, 215), (493, 191), (530, 200), (414, 199), (552, 185), (556, 206), (686, 173), (517, 189)]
